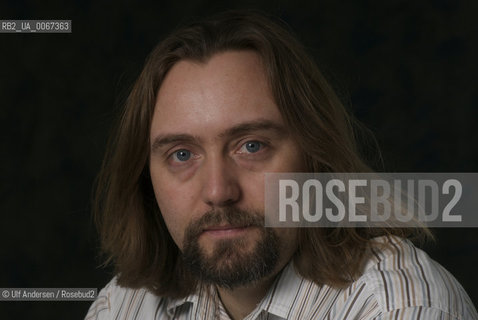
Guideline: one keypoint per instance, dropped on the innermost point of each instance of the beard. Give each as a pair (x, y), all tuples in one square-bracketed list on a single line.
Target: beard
[(232, 263)]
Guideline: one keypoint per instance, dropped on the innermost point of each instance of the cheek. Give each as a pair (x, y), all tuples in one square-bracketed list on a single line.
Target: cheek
[(173, 206), (288, 240), (252, 187), (175, 226)]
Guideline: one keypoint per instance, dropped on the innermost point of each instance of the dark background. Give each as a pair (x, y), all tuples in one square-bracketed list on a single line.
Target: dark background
[(407, 69)]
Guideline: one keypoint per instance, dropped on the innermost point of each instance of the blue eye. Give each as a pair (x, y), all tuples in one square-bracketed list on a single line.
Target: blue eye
[(253, 146), (182, 155)]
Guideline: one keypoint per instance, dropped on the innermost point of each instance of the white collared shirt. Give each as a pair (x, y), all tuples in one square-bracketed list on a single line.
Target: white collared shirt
[(398, 283)]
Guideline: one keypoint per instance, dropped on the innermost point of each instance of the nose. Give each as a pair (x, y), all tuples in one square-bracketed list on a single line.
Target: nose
[(220, 185)]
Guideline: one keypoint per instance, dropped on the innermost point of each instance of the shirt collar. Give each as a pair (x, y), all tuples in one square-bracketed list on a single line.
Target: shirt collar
[(283, 293), (204, 301), (278, 300), (173, 304)]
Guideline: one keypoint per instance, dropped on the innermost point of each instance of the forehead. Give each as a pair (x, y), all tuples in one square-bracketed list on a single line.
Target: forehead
[(198, 98)]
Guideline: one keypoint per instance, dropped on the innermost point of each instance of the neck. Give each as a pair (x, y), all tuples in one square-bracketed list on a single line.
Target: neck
[(241, 301)]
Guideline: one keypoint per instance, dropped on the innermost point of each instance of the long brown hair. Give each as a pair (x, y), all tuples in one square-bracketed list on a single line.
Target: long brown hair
[(133, 234)]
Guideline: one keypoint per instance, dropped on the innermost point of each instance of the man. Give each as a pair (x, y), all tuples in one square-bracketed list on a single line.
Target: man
[(181, 195)]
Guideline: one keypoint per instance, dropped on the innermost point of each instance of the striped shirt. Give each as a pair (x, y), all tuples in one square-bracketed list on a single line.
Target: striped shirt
[(400, 282)]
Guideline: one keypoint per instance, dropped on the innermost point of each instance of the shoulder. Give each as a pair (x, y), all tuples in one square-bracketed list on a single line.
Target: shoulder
[(116, 302), (405, 281)]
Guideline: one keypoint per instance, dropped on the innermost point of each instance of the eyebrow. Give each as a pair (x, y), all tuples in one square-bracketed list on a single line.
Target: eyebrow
[(237, 130)]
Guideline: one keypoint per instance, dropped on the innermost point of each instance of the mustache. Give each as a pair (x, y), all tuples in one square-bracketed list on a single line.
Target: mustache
[(231, 216)]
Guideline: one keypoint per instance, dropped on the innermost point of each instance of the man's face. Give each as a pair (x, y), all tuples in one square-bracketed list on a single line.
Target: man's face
[(215, 131)]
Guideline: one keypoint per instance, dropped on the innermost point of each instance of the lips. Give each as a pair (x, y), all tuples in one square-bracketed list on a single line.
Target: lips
[(223, 228), (225, 231)]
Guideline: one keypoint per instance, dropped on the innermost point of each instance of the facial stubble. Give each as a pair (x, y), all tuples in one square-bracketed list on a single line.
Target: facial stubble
[(232, 262)]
